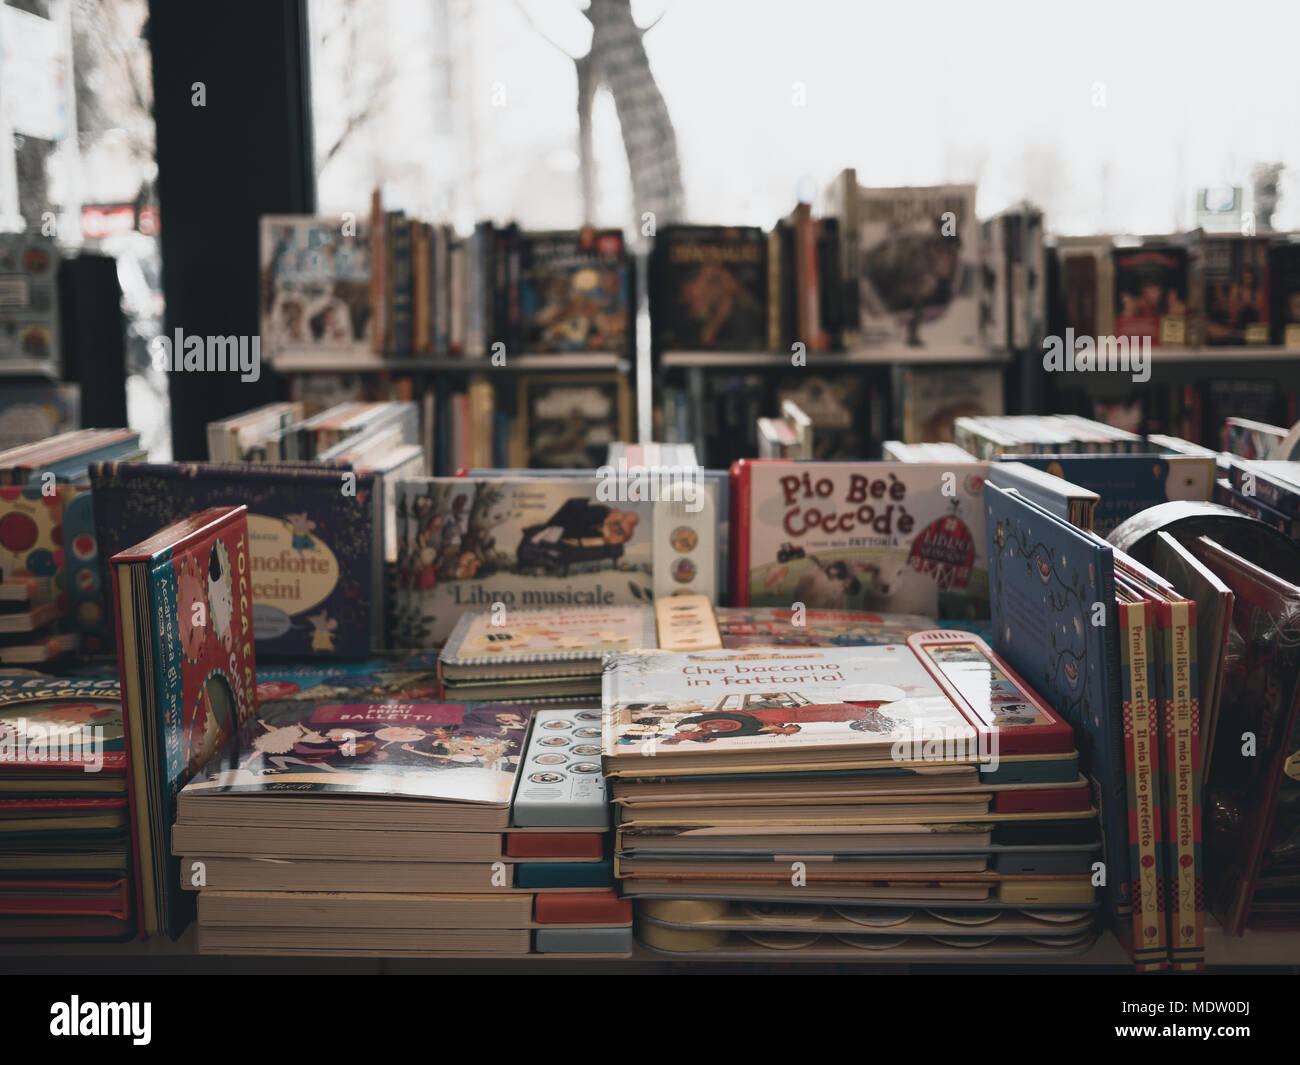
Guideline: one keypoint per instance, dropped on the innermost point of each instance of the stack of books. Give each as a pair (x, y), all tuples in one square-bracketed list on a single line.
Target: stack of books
[(65, 843), (1031, 434), (343, 822), (876, 779), (543, 655)]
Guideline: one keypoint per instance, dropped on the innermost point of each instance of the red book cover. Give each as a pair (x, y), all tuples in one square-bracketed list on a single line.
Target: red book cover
[(183, 600)]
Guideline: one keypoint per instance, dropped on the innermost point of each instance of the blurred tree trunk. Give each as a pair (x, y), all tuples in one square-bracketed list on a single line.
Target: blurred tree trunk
[(618, 61)]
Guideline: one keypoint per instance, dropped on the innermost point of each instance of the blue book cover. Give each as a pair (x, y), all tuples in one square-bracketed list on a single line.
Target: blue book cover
[(1130, 483), (317, 570), (1052, 602)]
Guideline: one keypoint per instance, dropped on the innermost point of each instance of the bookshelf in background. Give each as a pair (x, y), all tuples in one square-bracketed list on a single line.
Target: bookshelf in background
[(398, 308)]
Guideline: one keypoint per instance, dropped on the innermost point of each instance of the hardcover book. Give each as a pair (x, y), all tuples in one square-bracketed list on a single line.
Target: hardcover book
[(543, 642), (877, 536), (1236, 290), (184, 605), (918, 269), (1052, 601), (1151, 293), (315, 285), (316, 576), (558, 541), (61, 735), (574, 291), (836, 707), (1127, 484), (708, 288)]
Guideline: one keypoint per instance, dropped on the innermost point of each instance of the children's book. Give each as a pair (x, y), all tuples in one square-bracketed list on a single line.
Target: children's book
[(543, 642), (184, 606), (1052, 596), (851, 705), (557, 542), (1052, 492), (451, 752), (900, 537), (314, 542), (1250, 799), (61, 735)]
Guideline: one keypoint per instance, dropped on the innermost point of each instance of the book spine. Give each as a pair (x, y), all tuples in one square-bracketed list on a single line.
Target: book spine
[(1147, 943), (740, 530), (378, 231), (774, 290), (402, 304), (1186, 906), (1117, 876)]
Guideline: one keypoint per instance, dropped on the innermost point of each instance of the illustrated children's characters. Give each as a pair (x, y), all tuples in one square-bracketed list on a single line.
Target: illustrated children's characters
[(827, 585), (781, 713), (302, 527), (469, 751), (221, 594), (192, 607), (506, 722), (618, 526), (279, 743), (323, 627)]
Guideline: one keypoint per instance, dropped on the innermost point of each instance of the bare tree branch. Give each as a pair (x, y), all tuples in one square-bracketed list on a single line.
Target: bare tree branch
[(544, 36)]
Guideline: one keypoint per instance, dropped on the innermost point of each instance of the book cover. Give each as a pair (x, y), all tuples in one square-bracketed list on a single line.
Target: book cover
[(1151, 293), (312, 539), (1252, 782), (878, 536), (709, 288), (574, 290), (1127, 484), (539, 541), (506, 640), (62, 725), (29, 309), (185, 650), (315, 285), (1235, 272), (452, 752), (931, 400), (1052, 602), (918, 269), (1284, 290)]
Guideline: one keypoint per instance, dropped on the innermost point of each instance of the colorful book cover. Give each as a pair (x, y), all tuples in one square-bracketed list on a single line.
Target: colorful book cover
[(502, 639), (554, 541), (316, 566), (900, 537), (31, 534), (574, 290), (62, 724), (410, 677), (930, 400), (1236, 281), (29, 312), (1052, 597), (447, 751), (708, 288), (1151, 293), (865, 704), (1146, 940), (1127, 484), (185, 650), (918, 269), (315, 285), (783, 627)]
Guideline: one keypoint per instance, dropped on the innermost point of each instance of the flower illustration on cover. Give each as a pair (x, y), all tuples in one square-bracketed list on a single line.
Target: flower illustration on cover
[(191, 608)]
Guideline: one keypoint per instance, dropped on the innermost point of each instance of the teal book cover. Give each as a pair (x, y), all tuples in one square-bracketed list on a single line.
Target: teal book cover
[(1052, 598)]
